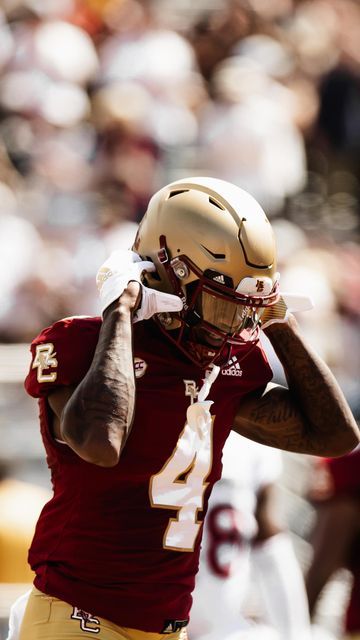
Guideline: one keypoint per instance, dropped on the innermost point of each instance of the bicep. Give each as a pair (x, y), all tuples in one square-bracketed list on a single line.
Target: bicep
[(275, 419), (57, 401)]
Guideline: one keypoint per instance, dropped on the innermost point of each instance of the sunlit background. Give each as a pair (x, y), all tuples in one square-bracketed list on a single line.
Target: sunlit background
[(102, 102)]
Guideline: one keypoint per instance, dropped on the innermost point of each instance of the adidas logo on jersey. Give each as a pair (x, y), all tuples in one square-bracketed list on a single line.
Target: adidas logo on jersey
[(232, 368)]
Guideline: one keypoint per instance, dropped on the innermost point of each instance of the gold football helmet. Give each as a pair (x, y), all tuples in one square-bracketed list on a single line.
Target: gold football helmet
[(214, 247)]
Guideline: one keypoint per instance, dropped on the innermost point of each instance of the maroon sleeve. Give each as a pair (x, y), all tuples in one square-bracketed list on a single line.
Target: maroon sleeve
[(62, 354), (334, 477), (345, 472)]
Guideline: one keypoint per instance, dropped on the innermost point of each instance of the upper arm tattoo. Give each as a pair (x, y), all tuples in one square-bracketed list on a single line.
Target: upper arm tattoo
[(274, 419)]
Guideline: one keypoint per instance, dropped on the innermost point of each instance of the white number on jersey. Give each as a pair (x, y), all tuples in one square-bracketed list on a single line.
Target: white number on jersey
[(181, 484)]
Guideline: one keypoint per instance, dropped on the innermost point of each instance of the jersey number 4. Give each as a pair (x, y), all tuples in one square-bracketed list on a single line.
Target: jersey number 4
[(181, 485)]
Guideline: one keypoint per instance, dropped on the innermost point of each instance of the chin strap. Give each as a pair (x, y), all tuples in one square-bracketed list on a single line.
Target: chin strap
[(198, 413), (210, 377)]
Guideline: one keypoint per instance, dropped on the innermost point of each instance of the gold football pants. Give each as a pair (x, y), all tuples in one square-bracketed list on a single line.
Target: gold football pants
[(47, 618)]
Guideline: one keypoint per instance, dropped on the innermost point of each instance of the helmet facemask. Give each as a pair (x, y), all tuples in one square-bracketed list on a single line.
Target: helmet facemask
[(215, 315)]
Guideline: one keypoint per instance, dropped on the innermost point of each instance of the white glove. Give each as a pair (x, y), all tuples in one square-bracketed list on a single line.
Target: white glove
[(288, 303), (123, 267)]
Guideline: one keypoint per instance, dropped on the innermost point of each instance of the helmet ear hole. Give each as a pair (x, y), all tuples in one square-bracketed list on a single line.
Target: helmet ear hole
[(191, 289)]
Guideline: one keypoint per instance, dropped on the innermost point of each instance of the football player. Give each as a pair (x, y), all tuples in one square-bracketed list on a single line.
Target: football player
[(136, 405), (249, 583), (336, 535)]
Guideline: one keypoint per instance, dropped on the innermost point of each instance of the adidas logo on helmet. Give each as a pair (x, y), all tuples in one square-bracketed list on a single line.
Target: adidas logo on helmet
[(220, 278)]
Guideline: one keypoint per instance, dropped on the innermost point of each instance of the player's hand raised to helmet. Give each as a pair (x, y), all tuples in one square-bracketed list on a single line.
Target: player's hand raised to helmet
[(123, 267), (280, 311)]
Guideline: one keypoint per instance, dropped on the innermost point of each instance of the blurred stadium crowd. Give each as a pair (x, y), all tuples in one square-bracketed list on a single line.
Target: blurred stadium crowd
[(104, 101)]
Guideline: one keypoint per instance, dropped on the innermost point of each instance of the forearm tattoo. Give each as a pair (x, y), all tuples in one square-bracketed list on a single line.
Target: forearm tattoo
[(312, 415)]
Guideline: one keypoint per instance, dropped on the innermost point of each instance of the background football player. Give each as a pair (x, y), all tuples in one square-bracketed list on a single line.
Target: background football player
[(336, 535), (247, 552)]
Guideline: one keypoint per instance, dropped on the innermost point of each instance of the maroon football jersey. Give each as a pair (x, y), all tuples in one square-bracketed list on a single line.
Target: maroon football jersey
[(123, 542), (344, 480)]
